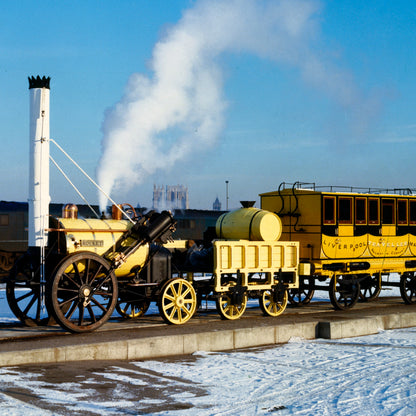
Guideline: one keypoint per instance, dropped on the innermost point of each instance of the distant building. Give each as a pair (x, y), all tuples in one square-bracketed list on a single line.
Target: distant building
[(216, 206), (195, 224), (170, 197)]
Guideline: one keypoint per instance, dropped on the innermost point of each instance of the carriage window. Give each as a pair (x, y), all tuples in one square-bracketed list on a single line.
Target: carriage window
[(329, 210), (360, 211), (412, 212), (387, 211), (402, 211), (4, 219), (345, 210), (373, 211)]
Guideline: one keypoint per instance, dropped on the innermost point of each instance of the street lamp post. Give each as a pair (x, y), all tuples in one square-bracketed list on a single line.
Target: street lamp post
[(226, 195)]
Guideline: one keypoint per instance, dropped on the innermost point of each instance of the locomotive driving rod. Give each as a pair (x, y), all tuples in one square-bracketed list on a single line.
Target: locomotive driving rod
[(151, 227)]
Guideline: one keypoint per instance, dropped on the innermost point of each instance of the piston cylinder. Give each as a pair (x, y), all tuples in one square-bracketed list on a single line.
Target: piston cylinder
[(249, 224)]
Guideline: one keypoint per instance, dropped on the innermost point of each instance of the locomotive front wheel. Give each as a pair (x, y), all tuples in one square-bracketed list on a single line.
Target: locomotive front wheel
[(273, 304), (304, 293), (82, 292), (344, 291), (231, 306), (132, 309), (370, 288), (177, 301), (408, 287), (24, 295)]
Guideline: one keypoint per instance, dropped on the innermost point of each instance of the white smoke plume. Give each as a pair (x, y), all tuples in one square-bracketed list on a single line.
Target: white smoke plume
[(180, 107)]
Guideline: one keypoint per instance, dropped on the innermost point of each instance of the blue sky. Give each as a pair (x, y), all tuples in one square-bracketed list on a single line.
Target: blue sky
[(354, 124)]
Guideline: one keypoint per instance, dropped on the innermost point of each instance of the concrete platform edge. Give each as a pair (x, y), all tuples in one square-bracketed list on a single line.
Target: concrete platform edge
[(185, 344)]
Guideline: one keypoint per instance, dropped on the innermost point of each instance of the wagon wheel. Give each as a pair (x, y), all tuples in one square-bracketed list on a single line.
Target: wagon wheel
[(344, 291), (304, 293), (23, 292), (177, 301), (231, 305), (82, 292), (273, 302), (370, 287), (133, 301), (408, 287), (132, 308)]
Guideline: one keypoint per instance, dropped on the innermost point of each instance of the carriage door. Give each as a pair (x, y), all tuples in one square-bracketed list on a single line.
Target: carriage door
[(345, 216), (388, 220)]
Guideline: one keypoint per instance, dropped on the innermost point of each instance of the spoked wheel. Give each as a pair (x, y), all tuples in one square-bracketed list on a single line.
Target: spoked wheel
[(273, 302), (177, 301), (304, 293), (344, 291), (232, 304), (130, 307), (370, 287), (24, 296), (408, 287), (82, 292)]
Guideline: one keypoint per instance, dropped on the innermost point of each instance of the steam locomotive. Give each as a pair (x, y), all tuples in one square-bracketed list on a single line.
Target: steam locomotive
[(94, 266)]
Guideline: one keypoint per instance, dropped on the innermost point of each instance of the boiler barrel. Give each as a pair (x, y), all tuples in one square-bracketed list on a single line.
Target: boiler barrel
[(249, 224), (98, 236)]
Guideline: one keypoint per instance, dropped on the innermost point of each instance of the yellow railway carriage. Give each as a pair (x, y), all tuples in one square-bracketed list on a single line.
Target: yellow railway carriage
[(352, 236)]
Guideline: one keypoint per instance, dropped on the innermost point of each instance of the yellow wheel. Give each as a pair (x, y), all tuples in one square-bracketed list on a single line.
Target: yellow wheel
[(132, 309), (177, 301), (231, 305), (273, 303)]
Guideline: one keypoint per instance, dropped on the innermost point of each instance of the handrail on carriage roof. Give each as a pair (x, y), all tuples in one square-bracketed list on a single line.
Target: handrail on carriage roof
[(339, 188)]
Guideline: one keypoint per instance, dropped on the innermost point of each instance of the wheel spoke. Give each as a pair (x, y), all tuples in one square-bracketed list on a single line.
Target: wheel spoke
[(95, 301), (188, 290), (69, 277), (30, 304), (168, 306), (95, 275), (71, 310), (81, 309), (91, 312), (170, 297), (172, 314), (26, 295)]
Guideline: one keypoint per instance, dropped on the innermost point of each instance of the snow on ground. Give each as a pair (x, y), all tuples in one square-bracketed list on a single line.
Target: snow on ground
[(371, 375)]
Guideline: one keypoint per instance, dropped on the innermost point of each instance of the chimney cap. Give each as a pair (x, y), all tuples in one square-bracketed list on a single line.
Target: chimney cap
[(247, 204), (39, 82)]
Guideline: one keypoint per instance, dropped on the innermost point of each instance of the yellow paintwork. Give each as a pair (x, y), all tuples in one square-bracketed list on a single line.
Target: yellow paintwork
[(343, 247), (249, 224), (98, 236), (178, 301), (302, 218), (367, 246), (248, 257)]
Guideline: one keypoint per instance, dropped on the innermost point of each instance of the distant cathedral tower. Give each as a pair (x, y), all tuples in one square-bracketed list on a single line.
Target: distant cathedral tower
[(216, 206), (170, 197)]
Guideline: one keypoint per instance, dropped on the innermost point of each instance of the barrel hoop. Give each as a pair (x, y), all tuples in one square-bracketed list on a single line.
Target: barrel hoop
[(251, 222), (222, 219)]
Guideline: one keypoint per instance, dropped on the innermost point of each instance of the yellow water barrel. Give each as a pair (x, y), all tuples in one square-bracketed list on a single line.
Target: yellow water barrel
[(249, 224)]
